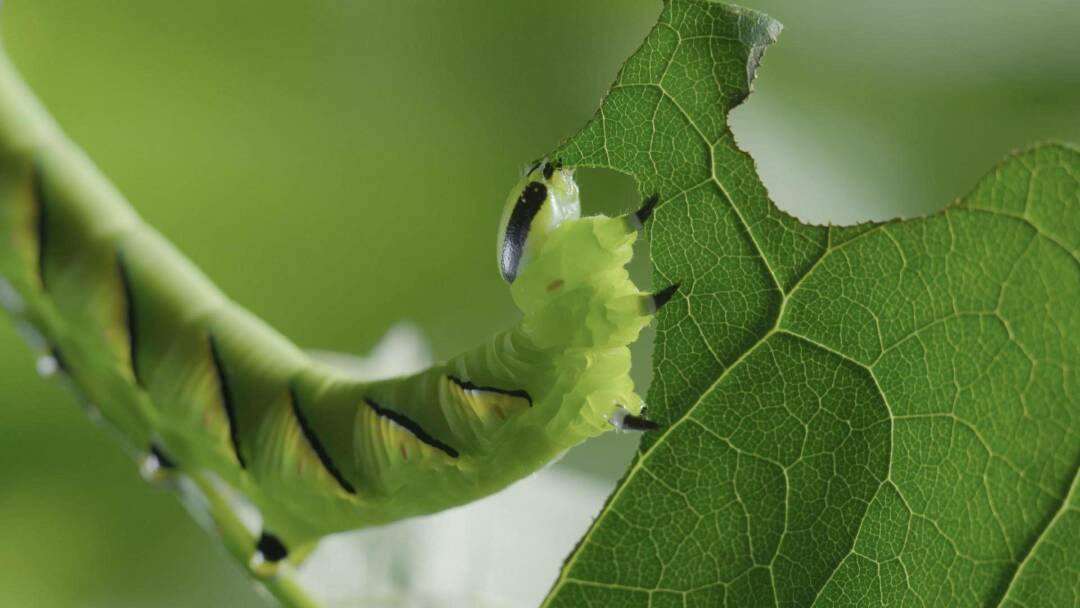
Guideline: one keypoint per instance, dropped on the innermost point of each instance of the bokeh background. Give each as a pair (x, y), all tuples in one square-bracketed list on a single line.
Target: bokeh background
[(338, 165)]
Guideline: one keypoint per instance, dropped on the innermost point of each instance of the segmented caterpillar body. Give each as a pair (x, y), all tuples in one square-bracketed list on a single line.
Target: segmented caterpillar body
[(201, 384)]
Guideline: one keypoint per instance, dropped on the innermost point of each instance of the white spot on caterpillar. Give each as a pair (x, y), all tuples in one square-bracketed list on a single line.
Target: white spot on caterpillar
[(618, 419), (47, 366), (151, 469), (10, 298), (623, 420)]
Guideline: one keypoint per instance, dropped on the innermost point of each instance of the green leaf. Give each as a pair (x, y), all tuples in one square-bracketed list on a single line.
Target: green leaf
[(884, 413)]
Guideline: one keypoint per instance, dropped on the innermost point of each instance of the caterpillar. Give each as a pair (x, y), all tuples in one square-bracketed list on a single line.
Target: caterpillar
[(197, 383)]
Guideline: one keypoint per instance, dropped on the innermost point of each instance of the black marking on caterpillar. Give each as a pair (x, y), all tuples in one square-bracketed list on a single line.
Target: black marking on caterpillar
[(38, 192), (412, 427), (130, 318), (226, 400), (664, 296), (549, 170), (61, 365), (517, 228), (163, 461), (271, 548), (316, 445), (469, 386)]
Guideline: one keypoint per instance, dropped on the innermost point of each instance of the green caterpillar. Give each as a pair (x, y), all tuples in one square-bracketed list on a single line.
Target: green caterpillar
[(202, 385)]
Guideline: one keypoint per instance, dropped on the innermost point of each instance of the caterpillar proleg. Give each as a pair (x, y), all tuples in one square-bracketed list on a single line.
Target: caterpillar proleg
[(200, 384)]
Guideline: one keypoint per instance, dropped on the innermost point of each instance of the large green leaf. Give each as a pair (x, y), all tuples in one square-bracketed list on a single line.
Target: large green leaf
[(885, 413)]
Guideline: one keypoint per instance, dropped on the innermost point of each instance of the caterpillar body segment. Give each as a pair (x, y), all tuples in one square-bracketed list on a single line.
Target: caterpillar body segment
[(201, 385)]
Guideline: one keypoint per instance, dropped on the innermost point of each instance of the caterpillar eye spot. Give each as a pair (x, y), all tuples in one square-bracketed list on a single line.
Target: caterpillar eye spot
[(534, 194), (517, 228), (555, 285)]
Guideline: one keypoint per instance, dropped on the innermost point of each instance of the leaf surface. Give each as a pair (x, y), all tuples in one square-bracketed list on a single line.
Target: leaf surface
[(877, 414)]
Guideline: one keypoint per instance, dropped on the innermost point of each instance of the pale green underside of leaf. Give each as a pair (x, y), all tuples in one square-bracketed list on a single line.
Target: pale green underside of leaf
[(878, 414)]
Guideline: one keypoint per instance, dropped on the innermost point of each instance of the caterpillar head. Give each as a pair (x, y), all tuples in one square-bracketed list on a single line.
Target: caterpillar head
[(545, 197)]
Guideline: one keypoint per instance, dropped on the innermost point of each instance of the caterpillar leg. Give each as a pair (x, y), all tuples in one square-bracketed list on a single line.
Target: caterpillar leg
[(636, 220), (269, 552), (623, 420), (647, 207), (651, 303)]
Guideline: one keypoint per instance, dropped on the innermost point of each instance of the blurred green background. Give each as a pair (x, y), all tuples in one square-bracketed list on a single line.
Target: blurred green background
[(338, 165)]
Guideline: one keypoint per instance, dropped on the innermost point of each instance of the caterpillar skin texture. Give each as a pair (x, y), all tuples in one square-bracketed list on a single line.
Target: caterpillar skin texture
[(201, 384)]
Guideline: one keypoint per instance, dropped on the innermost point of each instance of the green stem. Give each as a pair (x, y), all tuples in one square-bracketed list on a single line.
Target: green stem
[(27, 130)]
